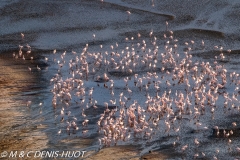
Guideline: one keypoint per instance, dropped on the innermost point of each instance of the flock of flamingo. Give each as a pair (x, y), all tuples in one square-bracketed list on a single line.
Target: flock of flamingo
[(160, 92)]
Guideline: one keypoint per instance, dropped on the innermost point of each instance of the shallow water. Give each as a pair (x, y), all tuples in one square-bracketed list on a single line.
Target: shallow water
[(69, 26)]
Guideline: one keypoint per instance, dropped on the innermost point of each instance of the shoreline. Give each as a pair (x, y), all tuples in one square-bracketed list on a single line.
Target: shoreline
[(16, 131)]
